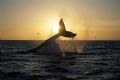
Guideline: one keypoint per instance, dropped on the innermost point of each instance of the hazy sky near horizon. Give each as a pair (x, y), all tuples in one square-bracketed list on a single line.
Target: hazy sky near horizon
[(90, 19)]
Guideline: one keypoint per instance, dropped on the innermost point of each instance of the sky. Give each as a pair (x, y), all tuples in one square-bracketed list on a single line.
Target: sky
[(90, 19)]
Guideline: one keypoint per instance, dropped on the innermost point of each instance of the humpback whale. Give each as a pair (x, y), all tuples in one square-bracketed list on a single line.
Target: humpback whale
[(50, 45)]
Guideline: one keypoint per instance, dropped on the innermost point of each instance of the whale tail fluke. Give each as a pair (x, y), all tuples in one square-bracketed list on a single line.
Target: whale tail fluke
[(63, 32)]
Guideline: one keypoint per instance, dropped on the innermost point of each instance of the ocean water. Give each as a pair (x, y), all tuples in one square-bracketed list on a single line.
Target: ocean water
[(104, 64)]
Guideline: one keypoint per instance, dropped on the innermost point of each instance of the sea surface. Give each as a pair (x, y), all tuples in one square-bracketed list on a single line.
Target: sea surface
[(104, 64)]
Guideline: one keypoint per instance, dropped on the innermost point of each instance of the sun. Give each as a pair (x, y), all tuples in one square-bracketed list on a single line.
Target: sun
[(55, 28)]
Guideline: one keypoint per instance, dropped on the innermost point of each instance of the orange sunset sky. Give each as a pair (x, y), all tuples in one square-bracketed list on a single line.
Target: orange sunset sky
[(90, 19)]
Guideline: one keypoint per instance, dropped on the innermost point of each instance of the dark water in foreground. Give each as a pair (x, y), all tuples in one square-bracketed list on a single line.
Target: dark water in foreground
[(103, 65)]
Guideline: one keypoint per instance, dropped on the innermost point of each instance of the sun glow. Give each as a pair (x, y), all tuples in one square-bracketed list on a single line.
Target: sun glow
[(55, 28)]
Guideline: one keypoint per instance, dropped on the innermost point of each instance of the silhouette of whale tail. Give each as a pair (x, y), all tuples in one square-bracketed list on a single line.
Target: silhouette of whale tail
[(51, 42), (63, 32)]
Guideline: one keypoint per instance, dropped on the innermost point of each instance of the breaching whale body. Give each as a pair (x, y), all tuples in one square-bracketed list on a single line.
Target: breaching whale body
[(50, 45)]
